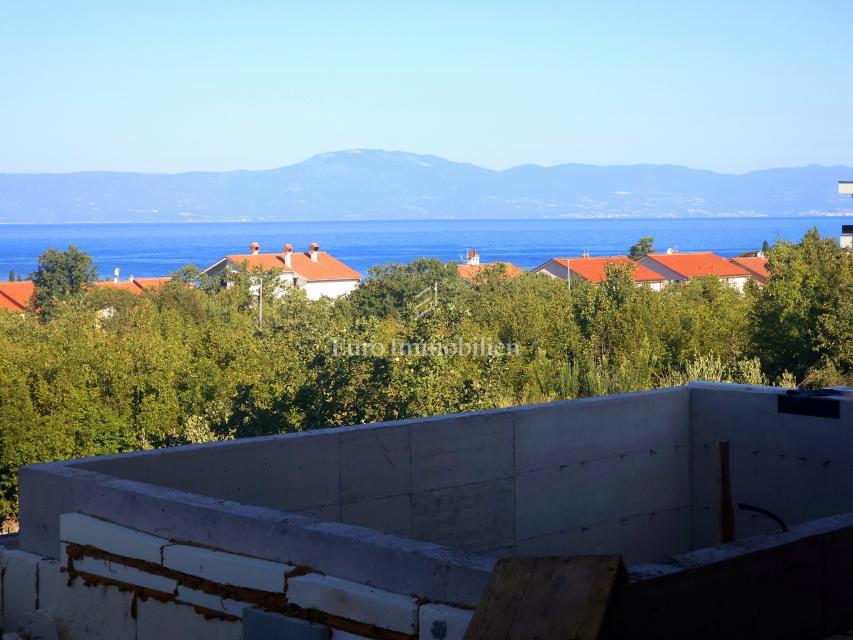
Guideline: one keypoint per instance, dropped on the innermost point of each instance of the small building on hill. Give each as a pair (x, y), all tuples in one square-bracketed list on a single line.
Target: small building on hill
[(319, 273), (594, 269), (755, 265), (472, 269), (678, 267)]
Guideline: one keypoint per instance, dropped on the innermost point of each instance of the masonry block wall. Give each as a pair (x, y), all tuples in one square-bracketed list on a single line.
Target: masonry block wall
[(116, 582)]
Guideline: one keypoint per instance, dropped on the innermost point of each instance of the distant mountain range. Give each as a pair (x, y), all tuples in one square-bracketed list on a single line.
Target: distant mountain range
[(373, 184)]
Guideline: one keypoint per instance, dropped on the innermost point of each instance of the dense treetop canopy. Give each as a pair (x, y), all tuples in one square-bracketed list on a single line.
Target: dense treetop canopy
[(192, 362)]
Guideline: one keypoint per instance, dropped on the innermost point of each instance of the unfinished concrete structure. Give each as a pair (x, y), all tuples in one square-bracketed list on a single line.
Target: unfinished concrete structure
[(391, 530)]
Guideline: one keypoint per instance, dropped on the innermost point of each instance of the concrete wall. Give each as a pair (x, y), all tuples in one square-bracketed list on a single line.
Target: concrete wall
[(585, 476), (799, 467), (331, 288), (633, 474)]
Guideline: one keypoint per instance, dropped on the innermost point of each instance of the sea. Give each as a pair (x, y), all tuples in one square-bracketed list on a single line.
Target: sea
[(158, 249)]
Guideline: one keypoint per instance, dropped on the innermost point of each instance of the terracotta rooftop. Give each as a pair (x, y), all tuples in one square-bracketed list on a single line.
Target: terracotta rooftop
[(470, 272), (326, 267), (135, 286), (694, 265), (15, 296), (755, 265), (594, 269)]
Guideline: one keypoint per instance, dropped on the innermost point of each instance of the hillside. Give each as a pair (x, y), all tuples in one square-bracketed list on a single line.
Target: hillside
[(384, 185)]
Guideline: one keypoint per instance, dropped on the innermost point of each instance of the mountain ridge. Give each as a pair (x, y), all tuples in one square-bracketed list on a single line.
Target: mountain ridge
[(379, 184)]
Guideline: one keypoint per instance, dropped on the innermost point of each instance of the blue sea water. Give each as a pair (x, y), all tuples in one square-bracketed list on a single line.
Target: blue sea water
[(159, 249)]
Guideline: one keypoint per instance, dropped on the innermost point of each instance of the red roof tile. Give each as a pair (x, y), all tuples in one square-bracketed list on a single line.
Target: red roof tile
[(135, 286), (755, 265), (15, 296), (594, 269), (259, 261), (326, 267), (694, 265), (470, 272)]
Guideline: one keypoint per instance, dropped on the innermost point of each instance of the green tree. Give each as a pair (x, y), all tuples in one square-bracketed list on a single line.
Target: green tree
[(394, 289), (644, 247), (802, 319), (189, 274), (61, 275)]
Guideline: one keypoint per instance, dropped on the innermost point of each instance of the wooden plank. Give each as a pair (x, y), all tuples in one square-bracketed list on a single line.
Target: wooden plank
[(724, 480), (530, 598)]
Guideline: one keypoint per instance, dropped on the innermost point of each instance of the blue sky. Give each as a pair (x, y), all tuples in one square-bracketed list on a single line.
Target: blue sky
[(202, 85)]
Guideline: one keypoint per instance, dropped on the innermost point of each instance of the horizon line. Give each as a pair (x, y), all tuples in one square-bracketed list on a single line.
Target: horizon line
[(362, 150)]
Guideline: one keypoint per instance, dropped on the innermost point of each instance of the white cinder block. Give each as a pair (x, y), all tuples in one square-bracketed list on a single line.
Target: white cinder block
[(39, 625), (96, 612), (19, 586), (440, 622), (227, 568), (122, 573), (354, 601), (113, 538), (212, 602), (169, 621)]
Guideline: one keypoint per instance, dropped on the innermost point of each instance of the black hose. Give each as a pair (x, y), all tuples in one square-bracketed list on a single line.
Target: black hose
[(764, 512)]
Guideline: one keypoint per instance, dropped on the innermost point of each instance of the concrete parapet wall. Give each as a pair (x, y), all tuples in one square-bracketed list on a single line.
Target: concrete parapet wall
[(421, 508), (800, 467), (501, 481), (596, 475)]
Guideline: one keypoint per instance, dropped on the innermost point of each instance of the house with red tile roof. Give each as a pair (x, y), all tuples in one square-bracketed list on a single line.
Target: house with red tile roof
[(133, 285), (472, 268), (755, 265), (319, 273), (594, 269), (678, 267), (16, 296)]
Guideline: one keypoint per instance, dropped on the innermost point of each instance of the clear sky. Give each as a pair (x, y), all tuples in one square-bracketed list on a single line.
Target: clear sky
[(208, 85)]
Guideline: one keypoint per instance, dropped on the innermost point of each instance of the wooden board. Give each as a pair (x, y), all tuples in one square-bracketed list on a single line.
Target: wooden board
[(529, 598)]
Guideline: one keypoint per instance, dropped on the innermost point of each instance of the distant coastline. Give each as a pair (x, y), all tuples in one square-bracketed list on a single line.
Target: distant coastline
[(722, 216), (389, 185)]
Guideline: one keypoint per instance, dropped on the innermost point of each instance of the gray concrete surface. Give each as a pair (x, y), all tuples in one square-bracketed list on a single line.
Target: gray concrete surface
[(424, 506)]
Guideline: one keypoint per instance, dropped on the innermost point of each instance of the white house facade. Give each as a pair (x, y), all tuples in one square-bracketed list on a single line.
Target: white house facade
[(315, 271)]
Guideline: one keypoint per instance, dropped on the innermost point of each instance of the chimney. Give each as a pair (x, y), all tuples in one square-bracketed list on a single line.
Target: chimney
[(315, 248), (116, 274), (288, 256), (473, 258), (255, 248), (670, 251)]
